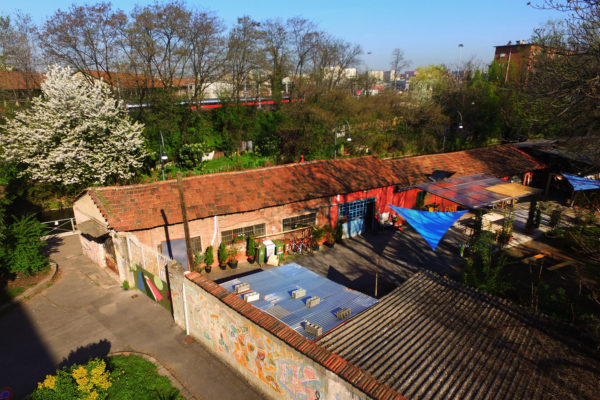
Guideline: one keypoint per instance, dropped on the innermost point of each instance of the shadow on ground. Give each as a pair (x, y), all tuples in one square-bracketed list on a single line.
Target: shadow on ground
[(391, 256)]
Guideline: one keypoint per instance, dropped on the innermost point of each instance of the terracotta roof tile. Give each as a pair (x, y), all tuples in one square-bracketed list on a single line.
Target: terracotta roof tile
[(17, 80), (499, 161), (131, 207), (137, 207)]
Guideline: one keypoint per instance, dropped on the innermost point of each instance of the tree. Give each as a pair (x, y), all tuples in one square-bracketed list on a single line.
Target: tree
[(74, 134), (243, 54), (397, 64), (86, 38), (275, 42), (566, 68)]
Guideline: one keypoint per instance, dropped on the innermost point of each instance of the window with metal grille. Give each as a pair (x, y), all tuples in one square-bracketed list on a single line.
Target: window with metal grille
[(354, 210), (234, 235), (300, 221)]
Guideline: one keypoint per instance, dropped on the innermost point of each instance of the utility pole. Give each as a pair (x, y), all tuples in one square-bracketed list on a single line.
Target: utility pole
[(186, 228)]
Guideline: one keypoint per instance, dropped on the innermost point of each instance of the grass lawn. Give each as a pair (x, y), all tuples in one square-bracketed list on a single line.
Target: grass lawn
[(11, 287), (139, 380)]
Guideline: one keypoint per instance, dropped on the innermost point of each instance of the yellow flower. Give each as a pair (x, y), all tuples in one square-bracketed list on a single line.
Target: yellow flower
[(49, 382)]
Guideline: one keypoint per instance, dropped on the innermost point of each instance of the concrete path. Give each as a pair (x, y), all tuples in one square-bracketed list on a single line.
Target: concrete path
[(86, 314)]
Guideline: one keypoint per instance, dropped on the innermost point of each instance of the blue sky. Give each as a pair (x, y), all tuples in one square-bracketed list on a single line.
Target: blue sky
[(428, 31)]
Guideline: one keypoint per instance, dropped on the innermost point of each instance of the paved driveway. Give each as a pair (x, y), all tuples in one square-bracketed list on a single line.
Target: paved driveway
[(85, 314), (395, 255)]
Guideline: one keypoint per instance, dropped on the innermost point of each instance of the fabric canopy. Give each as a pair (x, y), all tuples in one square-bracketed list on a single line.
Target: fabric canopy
[(513, 190), (581, 183), (431, 225)]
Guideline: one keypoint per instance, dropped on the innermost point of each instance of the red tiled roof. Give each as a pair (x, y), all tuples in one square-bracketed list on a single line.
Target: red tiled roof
[(498, 161), (355, 376), (136, 207), (17, 80), (141, 206), (126, 80)]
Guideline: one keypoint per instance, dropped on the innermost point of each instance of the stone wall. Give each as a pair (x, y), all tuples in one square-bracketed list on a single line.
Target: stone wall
[(274, 358)]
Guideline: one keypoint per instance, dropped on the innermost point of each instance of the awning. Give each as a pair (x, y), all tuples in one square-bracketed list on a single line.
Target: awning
[(92, 228), (581, 183), (477, 191), (513, 190), (431, 225)]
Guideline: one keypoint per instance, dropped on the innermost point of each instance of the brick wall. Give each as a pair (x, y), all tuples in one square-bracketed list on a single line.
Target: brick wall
[(274, 358)]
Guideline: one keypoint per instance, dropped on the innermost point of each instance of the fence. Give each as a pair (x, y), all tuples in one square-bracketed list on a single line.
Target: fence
[(59, 226), (147, 258)]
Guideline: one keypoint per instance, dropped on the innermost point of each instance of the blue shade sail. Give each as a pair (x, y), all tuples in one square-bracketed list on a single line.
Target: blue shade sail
[(581, 183), (431, 225)]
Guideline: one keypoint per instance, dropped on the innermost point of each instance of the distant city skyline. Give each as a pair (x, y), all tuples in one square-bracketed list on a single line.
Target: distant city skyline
[(427, 32)]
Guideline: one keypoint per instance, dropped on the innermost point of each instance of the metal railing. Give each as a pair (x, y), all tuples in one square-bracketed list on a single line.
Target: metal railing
[(147, 258), (59, 227)]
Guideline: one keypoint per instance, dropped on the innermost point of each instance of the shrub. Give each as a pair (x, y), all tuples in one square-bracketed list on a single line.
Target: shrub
[(119, 377), (209, 257), (90, 381), (23, 249), (222, 253), (125, 285), (555, 218), (251, 248), (190, 155)]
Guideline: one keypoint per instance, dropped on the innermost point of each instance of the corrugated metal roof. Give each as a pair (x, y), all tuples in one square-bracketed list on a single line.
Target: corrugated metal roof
[(276, 285), (434, 338)]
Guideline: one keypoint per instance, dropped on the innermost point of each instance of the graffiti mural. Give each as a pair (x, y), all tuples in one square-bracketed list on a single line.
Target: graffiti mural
[(152, 285), (300, 381), (247, 347)]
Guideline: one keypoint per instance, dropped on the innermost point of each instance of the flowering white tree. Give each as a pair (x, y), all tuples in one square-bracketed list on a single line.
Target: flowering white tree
[(75, 133)]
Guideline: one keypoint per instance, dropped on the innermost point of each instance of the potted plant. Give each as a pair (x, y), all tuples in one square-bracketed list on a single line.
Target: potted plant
[(251, 250), (232, 260), (209, 258), (555, 218), (198, 260), (222, 255), (317, 236), (328, 235)]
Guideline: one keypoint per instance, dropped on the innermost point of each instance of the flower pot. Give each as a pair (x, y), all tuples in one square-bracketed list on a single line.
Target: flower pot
[(316, 247), (329, 244), (251, 260), (223, 266), (208, 268), (233, 264)]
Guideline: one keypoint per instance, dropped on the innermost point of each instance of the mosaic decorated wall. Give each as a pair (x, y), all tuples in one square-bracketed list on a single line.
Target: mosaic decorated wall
[(270, 364)]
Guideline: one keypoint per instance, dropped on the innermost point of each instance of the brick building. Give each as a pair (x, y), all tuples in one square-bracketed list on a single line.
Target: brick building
[(273, 202), (516, 60)]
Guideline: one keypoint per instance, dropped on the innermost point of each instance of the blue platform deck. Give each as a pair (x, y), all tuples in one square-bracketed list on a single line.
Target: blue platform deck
[(275, 287)]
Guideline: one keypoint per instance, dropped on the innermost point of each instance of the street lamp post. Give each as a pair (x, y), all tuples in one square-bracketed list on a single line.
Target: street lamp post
[(163, 156), (460, 46), (460, 126), (335, 136)]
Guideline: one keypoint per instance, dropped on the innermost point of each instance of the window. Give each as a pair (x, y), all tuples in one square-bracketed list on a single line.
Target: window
[(355, 209), (502, 55), (299, 221), (232, 235)]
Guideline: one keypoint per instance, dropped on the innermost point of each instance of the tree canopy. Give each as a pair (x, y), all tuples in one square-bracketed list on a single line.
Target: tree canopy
[(75, 133)]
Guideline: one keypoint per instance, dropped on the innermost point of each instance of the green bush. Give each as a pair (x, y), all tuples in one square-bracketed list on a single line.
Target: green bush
[(190, 155), (209, 257), (23, 246), (251, 248), (222, 253), (555, 218), (119, 377)]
